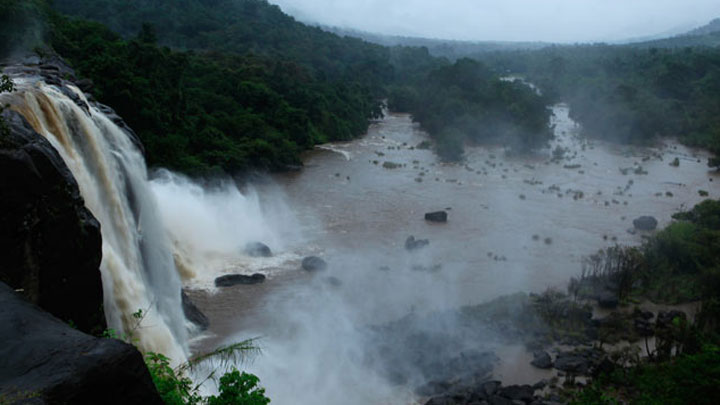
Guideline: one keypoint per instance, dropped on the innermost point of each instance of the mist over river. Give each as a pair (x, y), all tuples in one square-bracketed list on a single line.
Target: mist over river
[(515, 223)]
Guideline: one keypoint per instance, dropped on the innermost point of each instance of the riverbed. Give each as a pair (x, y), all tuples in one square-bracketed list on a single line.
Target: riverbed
[(515, 223)]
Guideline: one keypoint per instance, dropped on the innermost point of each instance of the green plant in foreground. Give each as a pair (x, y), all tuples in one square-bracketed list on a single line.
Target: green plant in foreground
[(238, 388), (174, 388), (235, 387)]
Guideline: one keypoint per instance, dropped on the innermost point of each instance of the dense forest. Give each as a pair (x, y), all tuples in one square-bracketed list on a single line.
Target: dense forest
[(466, 101), (229, 86), (630, 94)]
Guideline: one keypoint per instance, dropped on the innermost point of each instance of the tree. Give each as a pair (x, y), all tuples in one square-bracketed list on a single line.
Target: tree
[(239, 389), (147, 34), (6, 85)]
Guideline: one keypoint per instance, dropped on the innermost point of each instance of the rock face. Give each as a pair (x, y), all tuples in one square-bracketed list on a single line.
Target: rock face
[(51, 243), (257, 249), (414, 244), (314, 263), (193, 313), (645, 223), (437, 216), (44, 361), (235, 279)]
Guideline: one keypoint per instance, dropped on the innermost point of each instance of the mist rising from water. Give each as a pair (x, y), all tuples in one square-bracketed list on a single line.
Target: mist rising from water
[(210, 225)]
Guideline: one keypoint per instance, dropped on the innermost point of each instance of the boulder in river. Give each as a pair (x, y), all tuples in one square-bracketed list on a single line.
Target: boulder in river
[(437, 216), (413, 244), (242, 279), (541, 359), (645, 223), (257, 249), (314, 263), (45, 361), (193, 313)]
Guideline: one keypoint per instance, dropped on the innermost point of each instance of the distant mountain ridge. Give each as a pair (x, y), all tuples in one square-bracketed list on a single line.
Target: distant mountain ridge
[(709, 28), (707, 35), (447, 48)]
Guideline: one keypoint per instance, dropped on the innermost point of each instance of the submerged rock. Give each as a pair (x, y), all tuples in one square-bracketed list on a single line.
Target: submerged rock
[(45, 361), (242, 279), (413, 244), (314, 263), (257, 249), (645, 223), (437, 216)]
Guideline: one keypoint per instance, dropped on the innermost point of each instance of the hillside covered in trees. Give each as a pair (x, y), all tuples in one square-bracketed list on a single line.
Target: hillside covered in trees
[(237, 85), (627, 93)]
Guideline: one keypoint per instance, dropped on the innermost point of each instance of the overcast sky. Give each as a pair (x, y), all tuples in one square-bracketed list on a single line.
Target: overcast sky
[(513, 20)]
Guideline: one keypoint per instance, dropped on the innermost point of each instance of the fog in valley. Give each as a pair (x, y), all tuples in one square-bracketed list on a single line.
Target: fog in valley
[(565, 21)]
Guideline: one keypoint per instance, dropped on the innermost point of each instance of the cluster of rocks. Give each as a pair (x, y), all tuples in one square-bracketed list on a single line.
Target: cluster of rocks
[(258, 249), (493, 393)]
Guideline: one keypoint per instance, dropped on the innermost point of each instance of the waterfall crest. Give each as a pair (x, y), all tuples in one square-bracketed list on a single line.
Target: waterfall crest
[(138, 271)]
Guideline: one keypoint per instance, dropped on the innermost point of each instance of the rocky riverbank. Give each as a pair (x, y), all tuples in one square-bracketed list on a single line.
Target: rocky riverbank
[(449, 358)]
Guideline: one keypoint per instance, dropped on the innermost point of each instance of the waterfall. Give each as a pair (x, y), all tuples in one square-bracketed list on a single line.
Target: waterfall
[(138, 272)]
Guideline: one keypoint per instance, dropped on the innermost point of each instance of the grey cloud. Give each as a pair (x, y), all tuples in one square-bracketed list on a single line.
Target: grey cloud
[(516, 20)]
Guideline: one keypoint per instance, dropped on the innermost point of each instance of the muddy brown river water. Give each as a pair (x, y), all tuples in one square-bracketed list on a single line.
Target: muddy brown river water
[(515, 224)]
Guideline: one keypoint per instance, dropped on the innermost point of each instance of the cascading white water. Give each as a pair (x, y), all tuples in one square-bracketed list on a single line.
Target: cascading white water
[(138, 272), (209, 226)]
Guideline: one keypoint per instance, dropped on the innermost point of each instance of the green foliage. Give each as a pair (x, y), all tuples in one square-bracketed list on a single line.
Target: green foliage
[(22, 25), (617, 268), (110, 334), (6, 85), (261, 86), (174, 388), (466, 102), (686, 379), (682, 260), (239, 389), (225, 355), (235, 388), (202, 113), (630, 93)]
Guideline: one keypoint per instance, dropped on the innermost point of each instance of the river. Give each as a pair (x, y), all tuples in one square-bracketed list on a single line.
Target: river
[(515, 224)]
